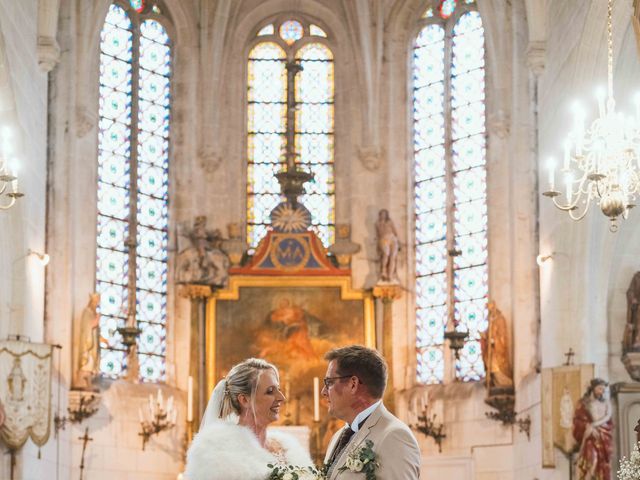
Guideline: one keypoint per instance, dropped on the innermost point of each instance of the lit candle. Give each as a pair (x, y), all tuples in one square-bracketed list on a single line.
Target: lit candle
[(569, 181), (552, 172), (601, 96), (190, 399), (316, 399), (160, 402)]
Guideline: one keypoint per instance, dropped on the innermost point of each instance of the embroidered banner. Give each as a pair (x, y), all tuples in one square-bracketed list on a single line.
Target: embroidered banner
[(25, 392)]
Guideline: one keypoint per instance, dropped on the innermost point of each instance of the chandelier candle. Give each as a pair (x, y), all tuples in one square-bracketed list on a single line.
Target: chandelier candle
[(600, 164)]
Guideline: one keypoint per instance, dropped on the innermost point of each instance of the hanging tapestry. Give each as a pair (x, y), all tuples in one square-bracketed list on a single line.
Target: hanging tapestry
[(25, 392)]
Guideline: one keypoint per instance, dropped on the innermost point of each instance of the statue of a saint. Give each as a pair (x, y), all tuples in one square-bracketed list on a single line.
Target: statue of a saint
[(204, 262), (89, 344), (631, 340), (388, 246), (495, 350), (592, 430)]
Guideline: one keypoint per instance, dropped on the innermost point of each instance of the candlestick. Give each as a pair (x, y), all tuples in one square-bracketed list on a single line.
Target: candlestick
[(190, 399), (316, 399)]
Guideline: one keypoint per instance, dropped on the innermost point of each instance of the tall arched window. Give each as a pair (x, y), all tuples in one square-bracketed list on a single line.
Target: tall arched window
[(450, 187), (278, 43), (133, 192)]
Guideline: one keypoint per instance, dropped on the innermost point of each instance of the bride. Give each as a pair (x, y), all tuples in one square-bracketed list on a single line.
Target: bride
[(233, 443)]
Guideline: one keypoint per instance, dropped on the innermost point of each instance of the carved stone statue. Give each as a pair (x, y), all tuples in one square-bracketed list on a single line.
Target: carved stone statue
[(496, 351), (89, 345), (631, 341), (204, 262), (388, 246), (592, 430)]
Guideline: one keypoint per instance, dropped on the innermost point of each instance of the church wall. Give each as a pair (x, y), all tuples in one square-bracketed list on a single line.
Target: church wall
[(23, 128), (582, 288)]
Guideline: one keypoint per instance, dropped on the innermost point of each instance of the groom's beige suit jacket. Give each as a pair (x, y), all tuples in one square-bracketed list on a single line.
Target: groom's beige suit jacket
[(395, 447)]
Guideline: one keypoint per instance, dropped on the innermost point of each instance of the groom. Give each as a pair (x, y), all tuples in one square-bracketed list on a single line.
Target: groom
[(354, 386)]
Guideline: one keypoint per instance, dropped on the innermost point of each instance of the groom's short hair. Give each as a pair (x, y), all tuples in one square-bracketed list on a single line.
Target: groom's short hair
[(365, 363)]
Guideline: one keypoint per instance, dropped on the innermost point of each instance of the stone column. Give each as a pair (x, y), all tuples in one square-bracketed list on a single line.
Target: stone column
[(386, 294), (198, 295)]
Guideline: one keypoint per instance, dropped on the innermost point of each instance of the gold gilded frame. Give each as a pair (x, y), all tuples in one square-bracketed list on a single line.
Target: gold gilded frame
[(232, 292)]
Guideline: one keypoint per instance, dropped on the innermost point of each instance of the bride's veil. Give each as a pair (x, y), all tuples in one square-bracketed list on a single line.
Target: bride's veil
[(214, 407)]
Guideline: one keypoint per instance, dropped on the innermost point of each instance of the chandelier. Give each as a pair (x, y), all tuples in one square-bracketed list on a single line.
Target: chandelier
[(8, 186), (601, 164)]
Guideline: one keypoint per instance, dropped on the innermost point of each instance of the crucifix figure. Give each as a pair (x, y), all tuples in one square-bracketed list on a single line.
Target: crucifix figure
[(85, 439), (570, 354)]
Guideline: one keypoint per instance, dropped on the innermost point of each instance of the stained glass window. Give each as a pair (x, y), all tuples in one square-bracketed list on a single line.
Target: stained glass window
[(450, 189), (266, 30), (317, 31), (290, 31), (314, 135), (133, 190)]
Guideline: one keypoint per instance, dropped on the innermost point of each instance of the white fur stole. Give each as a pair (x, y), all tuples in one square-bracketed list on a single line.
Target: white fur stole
[(226, 451)]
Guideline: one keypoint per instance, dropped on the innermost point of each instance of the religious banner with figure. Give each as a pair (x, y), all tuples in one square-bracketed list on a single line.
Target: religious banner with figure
[(25, 392)]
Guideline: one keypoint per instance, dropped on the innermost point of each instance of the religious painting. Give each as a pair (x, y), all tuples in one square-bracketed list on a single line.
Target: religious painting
[(562, 388), (291, 322)]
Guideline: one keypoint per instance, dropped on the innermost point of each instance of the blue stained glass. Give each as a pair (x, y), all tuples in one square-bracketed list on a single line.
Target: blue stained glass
[(267, 86), (114, 199), (464, 171)]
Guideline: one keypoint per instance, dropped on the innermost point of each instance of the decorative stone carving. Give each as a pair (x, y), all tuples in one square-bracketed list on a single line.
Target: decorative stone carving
[(499, 124), (388, 247), (204, 262), (371, 157), (631, 339), (343, 248), (48, 53), (209, 160), (536, 57), (85, 121), (234, 246), (88, 366)]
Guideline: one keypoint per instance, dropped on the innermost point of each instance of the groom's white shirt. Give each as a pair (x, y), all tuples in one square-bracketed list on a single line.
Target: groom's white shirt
[(362, 415), (395, 447)]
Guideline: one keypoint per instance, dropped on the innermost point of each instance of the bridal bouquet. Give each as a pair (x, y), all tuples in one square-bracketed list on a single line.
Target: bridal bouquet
[(292, 472), (630, 467)]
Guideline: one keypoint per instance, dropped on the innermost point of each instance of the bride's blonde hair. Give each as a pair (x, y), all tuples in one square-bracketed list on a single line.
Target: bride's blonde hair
[(242, 379)]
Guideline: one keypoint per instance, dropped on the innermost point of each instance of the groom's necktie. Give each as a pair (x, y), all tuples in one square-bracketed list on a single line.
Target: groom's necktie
[(342, 442), (345, 436)]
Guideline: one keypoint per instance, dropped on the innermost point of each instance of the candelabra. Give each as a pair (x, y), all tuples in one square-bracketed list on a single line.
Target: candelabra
[(161, 417), (8, 186), (506, 413), (430, 428), (601, 163), (81, 408)]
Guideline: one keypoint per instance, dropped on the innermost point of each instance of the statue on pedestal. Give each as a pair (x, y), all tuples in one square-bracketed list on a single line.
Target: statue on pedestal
[(388, 246), (88, 345), (204, 262), (495, 351), (592, 430)]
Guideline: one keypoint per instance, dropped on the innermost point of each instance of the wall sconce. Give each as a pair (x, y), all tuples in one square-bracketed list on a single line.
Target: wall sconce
[(43, 258), (430, 428), (540, 259), (80, 408), (161, 417), (8, 185)]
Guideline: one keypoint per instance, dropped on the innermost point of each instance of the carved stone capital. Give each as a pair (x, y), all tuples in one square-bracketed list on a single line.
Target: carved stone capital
[(499, 124), (48, 53), (371, 156), (209, 160), (536, 57), (195, 291), (85, 121), (387, 293)]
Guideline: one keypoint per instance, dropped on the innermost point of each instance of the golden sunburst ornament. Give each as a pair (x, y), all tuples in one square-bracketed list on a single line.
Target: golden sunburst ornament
[(287, 219)]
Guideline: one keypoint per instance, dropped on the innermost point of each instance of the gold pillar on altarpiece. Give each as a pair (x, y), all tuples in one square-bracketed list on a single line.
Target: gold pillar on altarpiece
[(387, 294), (198, 295)]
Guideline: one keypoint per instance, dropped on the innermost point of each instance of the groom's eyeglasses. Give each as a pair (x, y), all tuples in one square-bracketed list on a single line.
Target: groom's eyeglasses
[(329, 381)]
